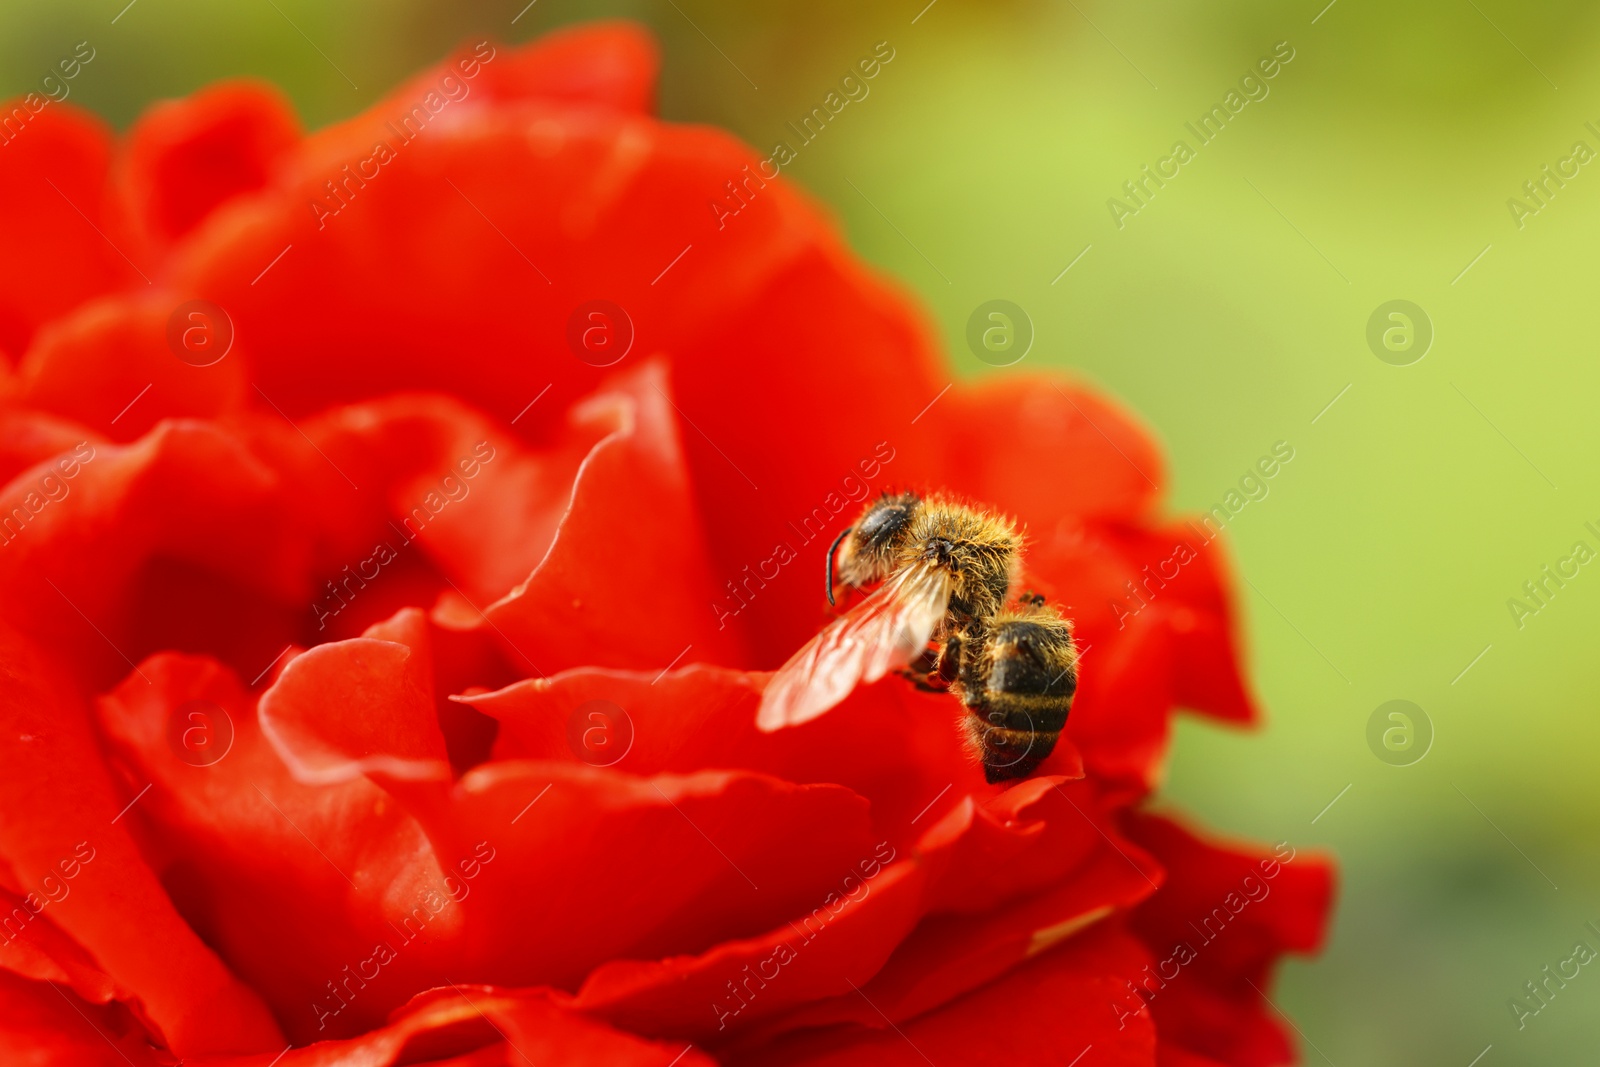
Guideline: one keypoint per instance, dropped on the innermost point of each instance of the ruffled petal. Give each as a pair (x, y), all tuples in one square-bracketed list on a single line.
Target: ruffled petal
[(680, 857), (359, 707), (1048, 450), (1156, 631), (1049, 1010), (184, 158), (28, 438), (844, 939), (43, 1023), (1220, 923), (899, 748), (56, 219), (237, 837), (625, 581), (36, 948), (1122, 716), (476, 1026), (115, 909), (180, 540), (598, 64), (31, 437), (110, 366), (1109, 575), (799, 416), (1169, 1055), (967, 881), (949, 956), (544, 207), (408, 497), (613, 64), (640, 867), (558, 553)]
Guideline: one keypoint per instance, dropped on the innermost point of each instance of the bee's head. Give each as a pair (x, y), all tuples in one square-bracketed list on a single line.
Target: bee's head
[(866, 552)]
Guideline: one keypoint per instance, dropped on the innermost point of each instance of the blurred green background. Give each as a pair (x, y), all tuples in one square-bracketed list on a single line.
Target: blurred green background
[(1228, 312)]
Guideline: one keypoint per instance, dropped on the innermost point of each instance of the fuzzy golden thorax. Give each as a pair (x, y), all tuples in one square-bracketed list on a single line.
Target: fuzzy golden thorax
[(977, 548)]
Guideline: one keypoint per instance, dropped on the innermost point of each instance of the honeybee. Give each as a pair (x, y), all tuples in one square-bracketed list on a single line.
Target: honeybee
[(943, 567), (939, 617), (1017, 680)]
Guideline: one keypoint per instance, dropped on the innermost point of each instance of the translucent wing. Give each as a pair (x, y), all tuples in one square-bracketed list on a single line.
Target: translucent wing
[(886, 631)]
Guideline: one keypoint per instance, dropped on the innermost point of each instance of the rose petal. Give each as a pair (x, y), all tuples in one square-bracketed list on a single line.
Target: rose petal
[(1049, 1010), (704, 996), (28, 438), (899, 748), (55, 219), (237, 837), (976, 861), (1237, 911), (1122, 716), (1048, 450), (1209, 674), (1022, 841), (473, 1025), (184, 158), (166, 543), (36, 948), (548, 207), (108, 366), (448, 503), (947, 957), (455, 661), (43, 1023), (638, 867), (1109, 575), (361, 707), (625, 581), (422, 480), (1155, 630), (608, 64), (116, 910), (1168, 1055), (819, 411)]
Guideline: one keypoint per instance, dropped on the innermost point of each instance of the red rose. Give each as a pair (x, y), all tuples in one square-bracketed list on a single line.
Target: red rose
[(400, 524)]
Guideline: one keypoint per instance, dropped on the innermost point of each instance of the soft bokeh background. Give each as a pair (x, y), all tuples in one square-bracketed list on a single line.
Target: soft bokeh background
[(1229, 313)]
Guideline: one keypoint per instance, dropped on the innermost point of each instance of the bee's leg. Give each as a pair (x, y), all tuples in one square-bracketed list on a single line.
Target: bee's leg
[(922, 682), (948, 665), (925, 672)]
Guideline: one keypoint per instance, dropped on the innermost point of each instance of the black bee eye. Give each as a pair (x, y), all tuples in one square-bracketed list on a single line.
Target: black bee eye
[(880, 525)]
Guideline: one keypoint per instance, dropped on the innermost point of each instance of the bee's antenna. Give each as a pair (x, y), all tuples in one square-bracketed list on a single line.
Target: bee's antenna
[(832, 551)]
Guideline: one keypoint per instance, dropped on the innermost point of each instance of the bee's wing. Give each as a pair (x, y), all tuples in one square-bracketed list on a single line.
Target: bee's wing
[(886, 631)]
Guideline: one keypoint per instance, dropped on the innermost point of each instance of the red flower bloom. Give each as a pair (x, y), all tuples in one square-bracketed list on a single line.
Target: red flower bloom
[(382, 670)]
